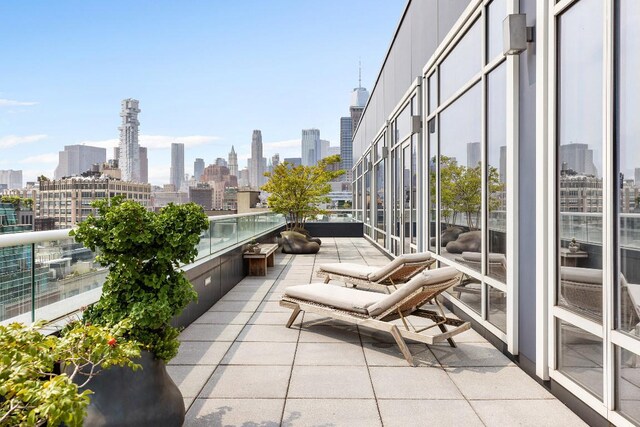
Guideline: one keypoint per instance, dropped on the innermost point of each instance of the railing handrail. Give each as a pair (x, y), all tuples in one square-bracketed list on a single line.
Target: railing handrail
[(30, 237)]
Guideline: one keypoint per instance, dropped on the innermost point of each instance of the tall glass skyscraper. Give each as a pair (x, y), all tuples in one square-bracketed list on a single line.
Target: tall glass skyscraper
[(129, 160)]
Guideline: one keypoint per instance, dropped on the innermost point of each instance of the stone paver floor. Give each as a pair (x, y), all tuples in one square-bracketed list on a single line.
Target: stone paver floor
[(239, 366)]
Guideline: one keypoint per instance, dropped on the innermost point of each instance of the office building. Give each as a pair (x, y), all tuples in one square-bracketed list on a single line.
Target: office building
[(144, 166), (202, 195), (311, 147), (11, 179), (221, 162), (177, 166), (198, 169), (324, 149), (256, 164), (346, 147), (233, 161), (75, 159), (68, 201), (295, 161), (129, 154), (554, 118)]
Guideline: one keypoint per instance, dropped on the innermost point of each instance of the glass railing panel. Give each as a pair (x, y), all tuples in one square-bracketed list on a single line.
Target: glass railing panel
[(224, 233), (15, 281)]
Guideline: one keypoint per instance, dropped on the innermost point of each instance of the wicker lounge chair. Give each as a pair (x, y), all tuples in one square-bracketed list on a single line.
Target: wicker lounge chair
[(400, 270), (375, 310)]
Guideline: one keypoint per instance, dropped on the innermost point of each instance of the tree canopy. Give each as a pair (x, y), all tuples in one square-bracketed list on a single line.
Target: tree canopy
[(298, 191)]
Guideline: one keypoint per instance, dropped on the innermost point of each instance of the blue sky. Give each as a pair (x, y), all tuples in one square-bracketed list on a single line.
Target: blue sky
[(206, 73)]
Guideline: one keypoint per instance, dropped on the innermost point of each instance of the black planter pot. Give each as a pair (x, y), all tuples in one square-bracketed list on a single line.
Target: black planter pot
[(146, 397)]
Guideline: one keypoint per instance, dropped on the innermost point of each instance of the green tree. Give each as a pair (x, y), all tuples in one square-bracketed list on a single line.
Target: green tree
[(17, 202), (298, 191), (144, 251), (43, 178)]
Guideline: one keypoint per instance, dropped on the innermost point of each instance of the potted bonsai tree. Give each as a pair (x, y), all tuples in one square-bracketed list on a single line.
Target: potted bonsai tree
[(298, 192), (32, 389), (144, 251)]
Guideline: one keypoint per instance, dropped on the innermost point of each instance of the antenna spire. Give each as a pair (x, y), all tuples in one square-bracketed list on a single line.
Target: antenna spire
[(359, 73)]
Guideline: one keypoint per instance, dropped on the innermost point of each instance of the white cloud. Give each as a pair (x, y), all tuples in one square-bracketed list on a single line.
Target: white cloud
[(14, 103), (42, 158), (157, 142), (13, 140)]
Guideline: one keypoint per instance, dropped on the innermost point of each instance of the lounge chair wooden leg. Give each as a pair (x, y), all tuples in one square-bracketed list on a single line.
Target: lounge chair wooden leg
[(294, 314), (402, 344), (452, 343)]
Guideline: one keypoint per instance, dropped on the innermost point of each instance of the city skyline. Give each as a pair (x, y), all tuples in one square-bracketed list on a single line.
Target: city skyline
[(215, 107)]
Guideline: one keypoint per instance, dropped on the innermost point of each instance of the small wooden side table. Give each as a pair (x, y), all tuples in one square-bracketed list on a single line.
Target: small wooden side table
[(259, 261)]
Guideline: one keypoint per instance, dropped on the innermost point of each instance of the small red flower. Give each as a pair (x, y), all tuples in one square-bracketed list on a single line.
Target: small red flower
[(112, 342)]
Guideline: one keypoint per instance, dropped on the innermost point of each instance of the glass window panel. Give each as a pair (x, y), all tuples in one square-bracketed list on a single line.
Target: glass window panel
[(380, 195), (497, 308), (469, 291), (460, 178), (496, 12), (628, 384), (414, 185), (462, 63), (403, 123), (628, 126), (367, 196), (406, 179), (497, 173), (433, 91), (433, 154), (580, 357), (398, 192), (579, 135)]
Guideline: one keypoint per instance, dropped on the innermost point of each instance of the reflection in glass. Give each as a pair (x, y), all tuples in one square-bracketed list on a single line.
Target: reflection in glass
[(359, 198), (469, 291), (628, 131), (497, 11), (460, 177), (397, 189), (497, 173), (497, 308), (433, 154), (367, 193), (580, 357), (403, 124), (628, 384), (380, 195), (414, 178), (462, 63), (406, 196), (580, 153), (433, 92)]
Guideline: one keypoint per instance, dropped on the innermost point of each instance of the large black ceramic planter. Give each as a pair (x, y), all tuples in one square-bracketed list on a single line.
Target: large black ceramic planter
[(146, 397)]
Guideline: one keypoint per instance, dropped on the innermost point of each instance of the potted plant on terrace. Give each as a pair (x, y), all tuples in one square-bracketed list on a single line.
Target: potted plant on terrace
[(144, 251), (32, 389), (298, 192)]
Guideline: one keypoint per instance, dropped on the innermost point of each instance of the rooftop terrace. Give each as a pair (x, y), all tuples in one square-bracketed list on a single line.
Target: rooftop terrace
[(239, 365)]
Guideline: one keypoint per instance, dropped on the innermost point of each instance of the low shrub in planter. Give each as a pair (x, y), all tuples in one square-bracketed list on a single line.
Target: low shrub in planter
[(33, 392)]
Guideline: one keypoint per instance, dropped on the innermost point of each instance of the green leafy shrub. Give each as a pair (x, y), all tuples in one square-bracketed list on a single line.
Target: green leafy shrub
[(32, 393), (143, 251)]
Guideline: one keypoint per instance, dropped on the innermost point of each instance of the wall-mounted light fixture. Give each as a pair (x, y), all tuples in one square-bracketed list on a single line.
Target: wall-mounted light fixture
[(516, 34), (416, 124)]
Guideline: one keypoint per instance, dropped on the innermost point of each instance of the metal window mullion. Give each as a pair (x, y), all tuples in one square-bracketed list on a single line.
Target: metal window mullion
[(610, 279), (512, 133), (484, 306)]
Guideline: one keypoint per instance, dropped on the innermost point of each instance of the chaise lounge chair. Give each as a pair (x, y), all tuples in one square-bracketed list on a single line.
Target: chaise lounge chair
[(400, 270), (376, 310)]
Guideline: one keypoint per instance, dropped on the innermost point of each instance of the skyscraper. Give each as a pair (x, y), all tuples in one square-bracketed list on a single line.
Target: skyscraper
[(129, 160), (310, 146), (474, 154), (348, 125), (198, 169), (75, 159), (221, 162), (324, 149), (233, 162), (257, 163), (177, 165), (144, 166), (579, 158), (12, 179)]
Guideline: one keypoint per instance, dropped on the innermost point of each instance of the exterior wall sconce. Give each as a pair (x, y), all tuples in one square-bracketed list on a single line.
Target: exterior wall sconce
[(516, 34), (416, 124)]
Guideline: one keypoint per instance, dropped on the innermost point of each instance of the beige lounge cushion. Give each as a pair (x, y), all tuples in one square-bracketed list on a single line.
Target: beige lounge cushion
[(385, 271), (427, 277), (581, 275), (349, 269), (335, 296), (477, 257)]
